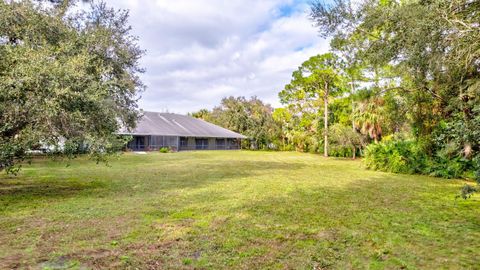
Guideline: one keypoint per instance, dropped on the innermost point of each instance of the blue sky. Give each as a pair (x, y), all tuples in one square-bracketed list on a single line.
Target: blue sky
[(199, 51)]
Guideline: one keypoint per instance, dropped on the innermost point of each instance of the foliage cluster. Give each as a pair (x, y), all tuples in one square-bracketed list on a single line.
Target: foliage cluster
[(398, 156), (250, 117), (416, 65), (68, 79), (164, 150), (411, 156)]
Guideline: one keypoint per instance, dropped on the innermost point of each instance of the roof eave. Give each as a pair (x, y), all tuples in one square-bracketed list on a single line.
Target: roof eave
[(182, 135)]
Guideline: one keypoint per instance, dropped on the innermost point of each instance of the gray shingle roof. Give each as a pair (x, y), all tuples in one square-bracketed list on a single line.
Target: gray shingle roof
[(170, 124)]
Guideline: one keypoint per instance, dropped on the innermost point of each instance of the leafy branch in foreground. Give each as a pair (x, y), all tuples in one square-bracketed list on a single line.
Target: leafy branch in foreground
[(65, 80)]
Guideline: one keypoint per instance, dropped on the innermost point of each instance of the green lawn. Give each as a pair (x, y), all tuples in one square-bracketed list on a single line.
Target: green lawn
[(242, 210)]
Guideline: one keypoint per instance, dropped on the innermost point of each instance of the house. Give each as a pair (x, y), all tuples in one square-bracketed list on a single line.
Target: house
[(180, 132)]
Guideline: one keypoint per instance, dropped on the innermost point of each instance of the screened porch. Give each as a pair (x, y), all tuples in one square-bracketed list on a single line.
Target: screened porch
[(175, 143), (153, 143)]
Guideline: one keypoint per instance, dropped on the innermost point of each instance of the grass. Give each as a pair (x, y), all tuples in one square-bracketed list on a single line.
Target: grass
[(241, 210)]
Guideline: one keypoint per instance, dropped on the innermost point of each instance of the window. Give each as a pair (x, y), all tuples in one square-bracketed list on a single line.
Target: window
[(183, 142), (171, 141), (139, 143), (220, 143), (201, 144), (233, 144)]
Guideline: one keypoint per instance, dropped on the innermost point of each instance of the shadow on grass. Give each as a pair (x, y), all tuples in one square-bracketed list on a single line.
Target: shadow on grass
[(384, 194), (390, 220), (53, 184), (203, 173), (49, 189), (13, 195)]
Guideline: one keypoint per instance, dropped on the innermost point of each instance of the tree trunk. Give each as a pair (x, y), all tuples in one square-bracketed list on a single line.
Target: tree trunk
[(354, 153), (352, 86), (325, 121)]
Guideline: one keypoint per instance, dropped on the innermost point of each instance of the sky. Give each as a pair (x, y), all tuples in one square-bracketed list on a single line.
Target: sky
[(199, 51)]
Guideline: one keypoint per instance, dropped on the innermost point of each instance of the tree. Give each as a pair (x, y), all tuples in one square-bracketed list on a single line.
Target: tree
[(203, 114), (430, 46), (283, 117), (250, 117), (432, 51), (369, 116), (65, 79), (317, 78), (344, 136)]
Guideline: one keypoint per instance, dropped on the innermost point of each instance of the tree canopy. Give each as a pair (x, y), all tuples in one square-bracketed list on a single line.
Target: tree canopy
[(407, 80), (250, 117), (422, 58), (67, 78), (315, 81)]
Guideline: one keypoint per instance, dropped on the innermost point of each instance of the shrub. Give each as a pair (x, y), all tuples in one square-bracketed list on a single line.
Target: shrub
[(340, 151), (476, 169), (446, 167), (410, 156), (164, 150), (467, 191), (396, 156)]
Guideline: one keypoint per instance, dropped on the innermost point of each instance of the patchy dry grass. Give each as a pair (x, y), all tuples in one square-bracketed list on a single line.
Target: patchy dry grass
[(240, 210)]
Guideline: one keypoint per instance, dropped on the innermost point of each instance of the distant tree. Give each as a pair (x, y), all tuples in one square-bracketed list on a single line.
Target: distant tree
[(340, 111), (299, 127), (430, 46), (250, 117), (65, 76), (318, 78), (283, 117), (203, 114), (233, 114), (344, 136)]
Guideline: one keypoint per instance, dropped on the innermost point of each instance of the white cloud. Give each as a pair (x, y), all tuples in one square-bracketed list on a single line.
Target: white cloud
[(200, 51)]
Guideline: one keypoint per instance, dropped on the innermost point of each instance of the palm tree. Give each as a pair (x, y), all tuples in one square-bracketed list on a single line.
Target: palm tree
[(368, 117)]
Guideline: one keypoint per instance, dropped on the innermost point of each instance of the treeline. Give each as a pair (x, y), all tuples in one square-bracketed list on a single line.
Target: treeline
[(250, 117), (401, 85), (419, 63), (323, 112)]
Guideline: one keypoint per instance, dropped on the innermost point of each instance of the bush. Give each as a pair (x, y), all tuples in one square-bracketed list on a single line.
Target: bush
[(396, 156), (445, 167), (340, 151), (164, 150), (476, 169), (410, 156)]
